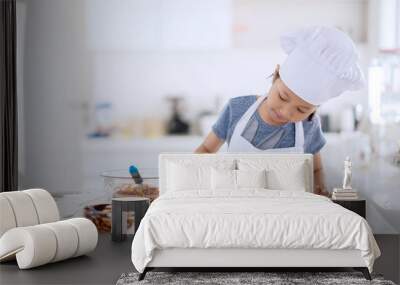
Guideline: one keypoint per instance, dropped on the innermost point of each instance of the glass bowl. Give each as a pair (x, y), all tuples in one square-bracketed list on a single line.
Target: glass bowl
[(119, 183)]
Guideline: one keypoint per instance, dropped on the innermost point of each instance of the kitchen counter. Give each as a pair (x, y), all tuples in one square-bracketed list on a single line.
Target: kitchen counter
[(376, 178)]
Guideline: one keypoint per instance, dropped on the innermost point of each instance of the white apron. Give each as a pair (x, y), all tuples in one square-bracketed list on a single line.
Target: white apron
[(240, 144)]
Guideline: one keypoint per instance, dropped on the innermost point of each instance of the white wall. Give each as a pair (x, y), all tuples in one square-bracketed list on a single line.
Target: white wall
[(130, 79), (56, 82)]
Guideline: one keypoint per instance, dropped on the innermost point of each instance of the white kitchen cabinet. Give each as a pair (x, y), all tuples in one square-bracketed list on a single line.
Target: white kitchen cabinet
[(123, 24), (383, 25), (170, 25), (196, 25), (389, 24), (157, 25), (259, 23)]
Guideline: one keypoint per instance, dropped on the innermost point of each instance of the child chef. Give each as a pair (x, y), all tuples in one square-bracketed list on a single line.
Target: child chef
[(321, 63)]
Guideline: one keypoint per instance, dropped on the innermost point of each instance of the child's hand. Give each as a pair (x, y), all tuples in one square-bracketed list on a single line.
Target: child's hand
[(321, 191), (211, 144)]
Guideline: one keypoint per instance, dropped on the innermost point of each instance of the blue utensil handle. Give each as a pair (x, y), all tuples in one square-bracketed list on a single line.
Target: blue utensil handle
[(134, 171)]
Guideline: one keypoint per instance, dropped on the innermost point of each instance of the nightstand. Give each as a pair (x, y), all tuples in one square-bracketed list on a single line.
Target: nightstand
[(122, 220), (358, 206)]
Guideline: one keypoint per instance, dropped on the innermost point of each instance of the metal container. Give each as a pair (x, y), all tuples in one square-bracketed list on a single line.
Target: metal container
[(127, 213)]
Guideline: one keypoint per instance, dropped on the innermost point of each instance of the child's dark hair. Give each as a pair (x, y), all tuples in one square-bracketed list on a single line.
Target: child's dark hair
[(276, 76)]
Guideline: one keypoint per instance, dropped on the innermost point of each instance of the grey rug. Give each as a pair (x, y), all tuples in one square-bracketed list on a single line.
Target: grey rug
[(225, 278)]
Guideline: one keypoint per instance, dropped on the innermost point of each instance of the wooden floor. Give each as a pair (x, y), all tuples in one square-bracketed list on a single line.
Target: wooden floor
[(110, 260)]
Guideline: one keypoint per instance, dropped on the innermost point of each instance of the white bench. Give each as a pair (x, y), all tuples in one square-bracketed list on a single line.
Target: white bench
[(31, 232)]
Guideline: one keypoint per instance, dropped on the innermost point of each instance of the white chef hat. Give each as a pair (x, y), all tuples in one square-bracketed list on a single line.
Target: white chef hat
[(322, 63)]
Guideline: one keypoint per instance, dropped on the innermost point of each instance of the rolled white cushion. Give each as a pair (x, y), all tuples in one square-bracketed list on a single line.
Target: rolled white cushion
[(26, 208), (40, 244), (45, 205), (87, 235), (33, 246), (7, 218), (67, 240), (23, 208)]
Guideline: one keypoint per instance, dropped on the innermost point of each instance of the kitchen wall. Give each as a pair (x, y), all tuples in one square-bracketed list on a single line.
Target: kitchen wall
[(230, 54), (125, 52), (126, 66), (134, 53)]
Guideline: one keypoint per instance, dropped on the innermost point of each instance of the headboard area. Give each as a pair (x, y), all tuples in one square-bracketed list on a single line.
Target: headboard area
[(284, 171)]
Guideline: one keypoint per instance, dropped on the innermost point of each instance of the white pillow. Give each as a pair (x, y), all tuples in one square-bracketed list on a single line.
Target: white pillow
[(223, 179), (281, 174), (251, 178), (227, 179), (188, 177), (188, 174)]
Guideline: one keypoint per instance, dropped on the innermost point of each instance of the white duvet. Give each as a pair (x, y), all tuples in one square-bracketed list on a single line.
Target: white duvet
[(250, 219)]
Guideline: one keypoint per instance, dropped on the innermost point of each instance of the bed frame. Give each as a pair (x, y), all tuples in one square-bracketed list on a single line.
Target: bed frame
[(248, 259), (261, 259)]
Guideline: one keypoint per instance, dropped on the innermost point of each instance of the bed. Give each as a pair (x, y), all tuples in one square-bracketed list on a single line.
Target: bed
[(241, 211)]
